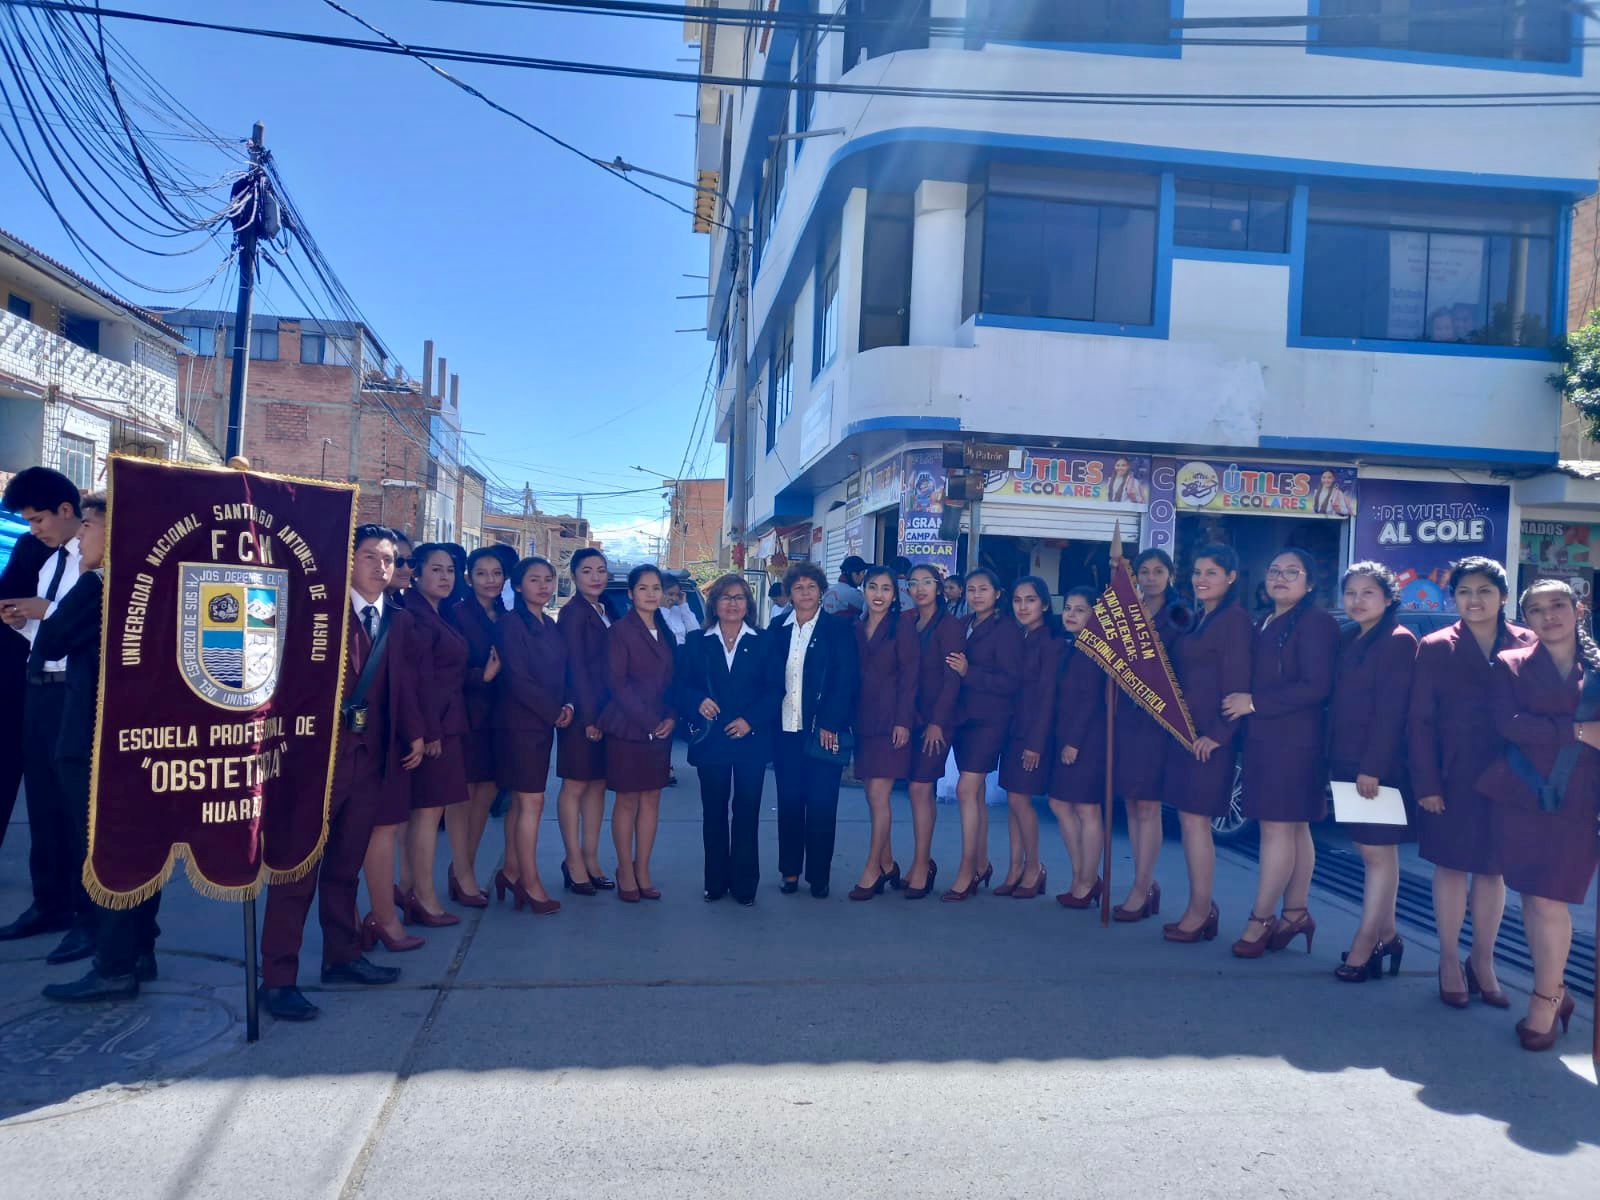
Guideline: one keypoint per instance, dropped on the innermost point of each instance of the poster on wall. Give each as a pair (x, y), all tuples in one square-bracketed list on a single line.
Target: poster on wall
[(1418, 528), (1557, 547), (921, 507), (880, 485), (1073, 477), (1265, 489)]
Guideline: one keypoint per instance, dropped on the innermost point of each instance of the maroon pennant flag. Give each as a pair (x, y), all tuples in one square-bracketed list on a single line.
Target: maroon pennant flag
[(226, 598), (1121, 641)]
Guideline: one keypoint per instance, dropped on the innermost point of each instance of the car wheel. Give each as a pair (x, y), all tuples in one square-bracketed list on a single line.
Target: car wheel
[(1233, 824)]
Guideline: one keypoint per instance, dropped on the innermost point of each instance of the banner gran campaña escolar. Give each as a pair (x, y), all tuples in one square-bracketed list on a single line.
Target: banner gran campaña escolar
[(226, 598)]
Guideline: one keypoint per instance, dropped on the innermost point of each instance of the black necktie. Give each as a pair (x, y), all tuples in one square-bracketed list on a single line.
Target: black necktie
[(369, 622), (55, 580)]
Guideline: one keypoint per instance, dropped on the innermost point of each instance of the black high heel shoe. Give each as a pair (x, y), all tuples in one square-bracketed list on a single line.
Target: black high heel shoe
[(1347, 972), (1395, 950), (920, 893), (586, 888)]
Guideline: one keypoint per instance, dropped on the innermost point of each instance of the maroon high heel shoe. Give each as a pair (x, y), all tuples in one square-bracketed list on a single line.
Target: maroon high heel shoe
[(983, 880), (1009, 888), (955, 895), (1259, 947), (1286, 930), (648, 893), (541, 908), (1150, 907), (919, 893), (373, 933), (457, 896), (1454, 999), (1494, 999), (417, 915), (400, 905), (1532, 1040), (503, 885), (1022, 892), (1067, 900), (1207, 931)]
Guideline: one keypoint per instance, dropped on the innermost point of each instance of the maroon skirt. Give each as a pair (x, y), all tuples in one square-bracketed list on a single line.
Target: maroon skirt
[(876, 758), (1464, 837), (926, 768), (978, 747), (477, 747), (1545, 854), (1084, 782), (1014, 777), (439, 782), (637, 766), (577, 758), (1141, 750), (1284, 787), (1202, 788), (1378, 835), (522, 759)]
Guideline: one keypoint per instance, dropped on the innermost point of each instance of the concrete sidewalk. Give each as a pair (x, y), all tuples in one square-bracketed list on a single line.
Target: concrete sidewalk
[(800, 1047)]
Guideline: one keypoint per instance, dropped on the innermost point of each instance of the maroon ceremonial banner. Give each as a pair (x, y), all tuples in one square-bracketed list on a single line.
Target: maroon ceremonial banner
[(1121, 641), (226, 597)]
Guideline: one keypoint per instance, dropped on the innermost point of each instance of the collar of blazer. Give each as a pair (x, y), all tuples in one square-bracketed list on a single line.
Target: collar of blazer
[(663, 640)]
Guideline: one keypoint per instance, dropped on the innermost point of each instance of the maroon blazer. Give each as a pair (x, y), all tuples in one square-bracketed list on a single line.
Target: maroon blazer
[(994, 671), (889, 660), (1034, 720), (1371, 698), (1291, 678), (1081, 707), (394, 719), (442, 672), (470, 620), (586, 636), (1212, 660), (639, 674), (938, 686), (531, 687), (1452, 735), (1534, 710)]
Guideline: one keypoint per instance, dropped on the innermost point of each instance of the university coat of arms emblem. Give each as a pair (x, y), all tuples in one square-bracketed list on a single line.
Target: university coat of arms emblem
[(231, 622)]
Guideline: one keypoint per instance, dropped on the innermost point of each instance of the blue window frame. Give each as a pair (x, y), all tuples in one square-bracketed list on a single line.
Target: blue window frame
[(1443, 272), (874, 28), (1511, 35), (805, 99), (825, 342), (1139, 27), (886, 270), (780, 383), (1231, 216), (1063, 245)]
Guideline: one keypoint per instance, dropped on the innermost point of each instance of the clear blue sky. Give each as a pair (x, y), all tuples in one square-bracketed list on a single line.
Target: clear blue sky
[(547, 285)]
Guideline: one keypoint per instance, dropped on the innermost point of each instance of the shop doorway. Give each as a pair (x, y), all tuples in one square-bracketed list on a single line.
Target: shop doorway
[(1063, 563), (1258, 540)]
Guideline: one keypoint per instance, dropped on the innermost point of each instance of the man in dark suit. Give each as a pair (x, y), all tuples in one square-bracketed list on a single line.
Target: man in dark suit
[(21, 569), (381, 737), (124, 939)]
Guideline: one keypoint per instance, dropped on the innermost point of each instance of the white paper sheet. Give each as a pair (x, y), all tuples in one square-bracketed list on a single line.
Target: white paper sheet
[(1350, 806)]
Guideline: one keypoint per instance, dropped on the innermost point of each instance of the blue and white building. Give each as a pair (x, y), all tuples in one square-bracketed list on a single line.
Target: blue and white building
[(1254, 304)]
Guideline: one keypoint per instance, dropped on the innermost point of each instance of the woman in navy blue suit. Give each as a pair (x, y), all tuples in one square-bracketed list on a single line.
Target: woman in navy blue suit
[(722, 690)]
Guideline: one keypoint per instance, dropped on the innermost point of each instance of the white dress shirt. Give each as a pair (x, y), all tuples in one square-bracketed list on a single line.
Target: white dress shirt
[(744, 632), (69, 576), (795, 670), (681, 620), (359, 604)]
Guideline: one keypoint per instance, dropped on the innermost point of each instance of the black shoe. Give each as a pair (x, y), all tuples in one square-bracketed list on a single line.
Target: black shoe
[(790, 887), (672, 779), (819, 890), (747, 901), (713, 897), (287, 1004), (94, 986), (144, 967), (79, 943), (359, 970), (33, 922)]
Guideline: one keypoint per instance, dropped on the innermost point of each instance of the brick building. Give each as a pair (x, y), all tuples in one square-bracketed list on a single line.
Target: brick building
[(555, 536), (327, 400), (1583, 297), (694, 534)]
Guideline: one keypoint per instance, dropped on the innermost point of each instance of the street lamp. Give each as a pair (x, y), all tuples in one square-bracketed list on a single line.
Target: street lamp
[(326, 442)]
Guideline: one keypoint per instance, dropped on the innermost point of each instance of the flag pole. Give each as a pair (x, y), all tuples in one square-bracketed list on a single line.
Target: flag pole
[(1595, 1049), (1111, 748)]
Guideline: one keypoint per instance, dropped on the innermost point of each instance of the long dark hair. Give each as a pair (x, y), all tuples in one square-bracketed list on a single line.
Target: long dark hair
[(1587, 650), (1042, 590), (1226, 557), (938, 579), (1390, 587), (994, 582), (874, 572)]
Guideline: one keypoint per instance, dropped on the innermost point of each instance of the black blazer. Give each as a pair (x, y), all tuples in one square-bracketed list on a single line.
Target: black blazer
[(829, 679), (72, 632), (742, 692)]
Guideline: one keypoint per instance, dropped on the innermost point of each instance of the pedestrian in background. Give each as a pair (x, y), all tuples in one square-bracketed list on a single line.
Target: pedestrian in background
[(675, 611), (845, 598), (885, 709), (955, 595), (21, 571), (585, 624), (938, 635)]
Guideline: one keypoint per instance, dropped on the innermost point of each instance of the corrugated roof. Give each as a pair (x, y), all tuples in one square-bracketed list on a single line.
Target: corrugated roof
[(11, 242), (1579, 468), (210, 318)]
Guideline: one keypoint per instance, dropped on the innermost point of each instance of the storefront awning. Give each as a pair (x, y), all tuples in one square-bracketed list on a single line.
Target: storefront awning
[(1574, 483)]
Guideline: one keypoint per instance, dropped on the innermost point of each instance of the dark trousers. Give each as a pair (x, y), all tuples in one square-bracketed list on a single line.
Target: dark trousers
[(352, 811), (13, 697), (54, 864), (808, 809), (732, 863), (121, 934)]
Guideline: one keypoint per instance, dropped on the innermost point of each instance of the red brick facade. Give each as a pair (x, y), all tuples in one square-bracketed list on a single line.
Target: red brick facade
[(694, 535)]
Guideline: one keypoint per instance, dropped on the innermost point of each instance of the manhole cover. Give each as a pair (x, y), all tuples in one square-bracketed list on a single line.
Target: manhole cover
[(56, 1051)]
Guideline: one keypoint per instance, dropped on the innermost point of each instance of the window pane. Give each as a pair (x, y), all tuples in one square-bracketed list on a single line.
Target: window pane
[(1039, 258), (1455, 287), (264, 344), (1519, 292), (886, 271), (75, 460), (18, 307), (1269, 220), (1076, 20), (1533, 30), (1425, 211), (312, 348), (1091, 186), (1125, 283)]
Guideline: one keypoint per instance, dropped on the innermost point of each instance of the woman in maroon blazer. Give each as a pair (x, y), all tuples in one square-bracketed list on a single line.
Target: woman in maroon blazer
[(532, 704), (990, 666), (1025, 764), (1141, 745), (938, 635), (1545, 700), (440, 782), (1285, 747), (581, 752), (1367, 747), (1078, 773), (1211, 659), (1453, 741), (475, 617), (638, 723), (885, 704)]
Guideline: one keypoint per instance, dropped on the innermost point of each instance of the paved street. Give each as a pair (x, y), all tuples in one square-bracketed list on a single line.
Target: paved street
[(798, 1048)]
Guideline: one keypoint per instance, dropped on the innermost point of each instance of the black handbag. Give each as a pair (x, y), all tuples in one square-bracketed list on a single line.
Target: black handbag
[(698, 729)]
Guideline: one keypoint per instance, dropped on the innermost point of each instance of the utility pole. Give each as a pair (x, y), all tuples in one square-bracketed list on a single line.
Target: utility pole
[(250, 219), (741, 382)]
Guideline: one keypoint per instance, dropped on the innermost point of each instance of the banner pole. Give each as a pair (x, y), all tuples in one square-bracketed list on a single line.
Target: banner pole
[(252, 1015), (1111, 761), (1595, 1049)]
